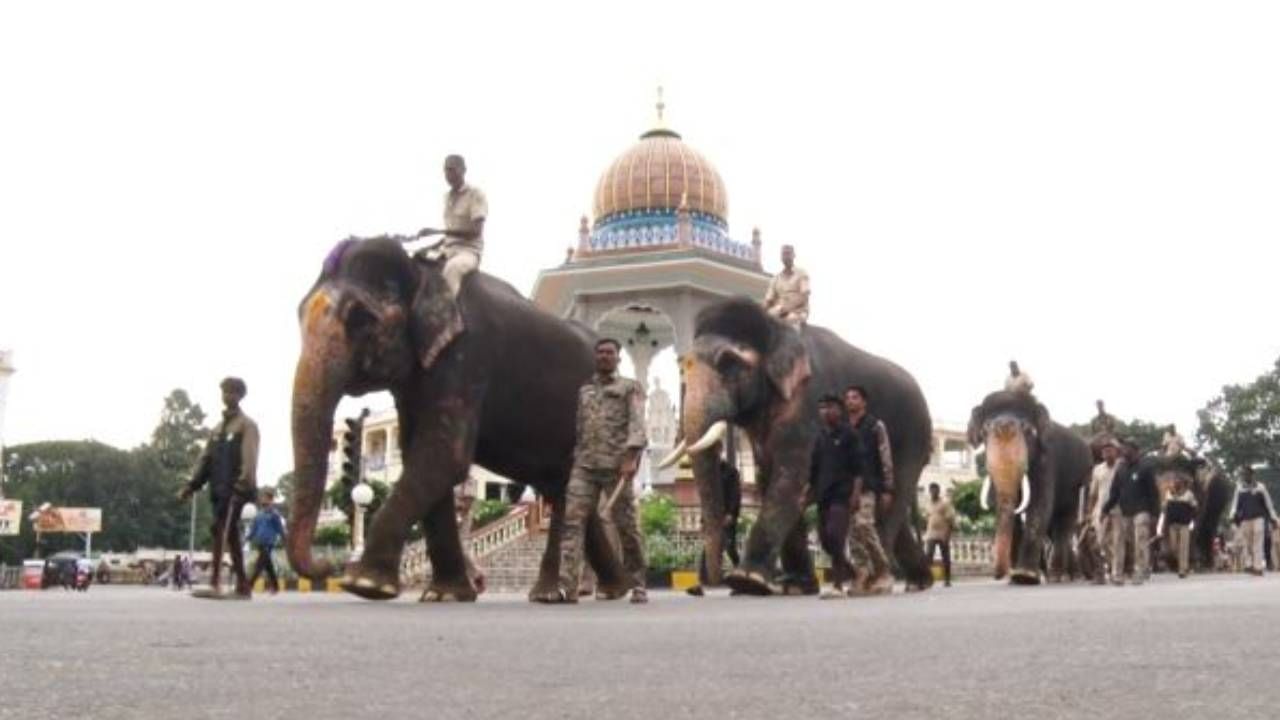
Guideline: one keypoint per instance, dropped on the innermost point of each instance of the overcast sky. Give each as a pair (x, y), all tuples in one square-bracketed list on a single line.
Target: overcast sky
[(1090, 187)]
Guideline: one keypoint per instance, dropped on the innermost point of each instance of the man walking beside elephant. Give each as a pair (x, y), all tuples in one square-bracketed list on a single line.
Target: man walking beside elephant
[(837, 488), (1133, 490), (876, 468), (1251, 511), (229, 465), (610, 438), (1101, 526)]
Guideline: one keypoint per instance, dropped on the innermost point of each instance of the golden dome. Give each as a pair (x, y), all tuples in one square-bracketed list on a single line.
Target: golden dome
[(655, 174)]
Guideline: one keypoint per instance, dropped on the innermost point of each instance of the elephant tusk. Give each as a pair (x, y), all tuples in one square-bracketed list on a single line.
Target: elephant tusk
[(714, 434), (982, 494), (1026, 496), (673, 457)]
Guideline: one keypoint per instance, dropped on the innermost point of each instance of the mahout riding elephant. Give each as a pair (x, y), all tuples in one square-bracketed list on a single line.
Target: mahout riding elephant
[(489, 379), (1211, 488), (1038, 469), (749, 370)]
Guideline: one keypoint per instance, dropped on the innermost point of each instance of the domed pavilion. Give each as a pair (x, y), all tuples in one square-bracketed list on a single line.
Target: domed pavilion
[(657, 250)]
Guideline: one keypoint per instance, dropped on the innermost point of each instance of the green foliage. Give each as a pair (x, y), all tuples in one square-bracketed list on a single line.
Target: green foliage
[(810, 517), (339, 495), (284, 493), (178, 438), (484, 512), (982, 526), (966, 499), (658, 516), (1241, 426), (333, 536), (665, 554), (133, 488), (1148, 435)]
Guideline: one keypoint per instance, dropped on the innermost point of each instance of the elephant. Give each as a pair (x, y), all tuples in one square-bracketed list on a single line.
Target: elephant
[(749, 370), (1039, 469), (487, 378)]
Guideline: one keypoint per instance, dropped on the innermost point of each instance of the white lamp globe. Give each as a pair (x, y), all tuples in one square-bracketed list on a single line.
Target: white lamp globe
[(362, 494)]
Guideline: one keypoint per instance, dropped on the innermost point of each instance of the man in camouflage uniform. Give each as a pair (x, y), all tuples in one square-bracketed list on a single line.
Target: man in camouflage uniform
[(611, 436), (873, 572), (229, 465)]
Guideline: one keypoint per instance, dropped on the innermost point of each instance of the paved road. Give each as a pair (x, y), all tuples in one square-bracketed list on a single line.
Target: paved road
[(1204, 647)]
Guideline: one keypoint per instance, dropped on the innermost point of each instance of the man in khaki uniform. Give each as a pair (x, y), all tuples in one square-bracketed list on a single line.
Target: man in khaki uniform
[(1097, 541), (1178, 518), (465, 210), (611, 436), (229, 466), (1251, 511), (937, 532), (788, 296)]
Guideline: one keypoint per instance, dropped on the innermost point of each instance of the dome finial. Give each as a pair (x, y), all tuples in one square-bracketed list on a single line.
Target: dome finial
[(660, 106)]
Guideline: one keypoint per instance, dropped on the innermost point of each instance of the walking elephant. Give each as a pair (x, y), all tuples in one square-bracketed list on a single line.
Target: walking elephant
[(749, 370), (488, 379), (1038, 469)]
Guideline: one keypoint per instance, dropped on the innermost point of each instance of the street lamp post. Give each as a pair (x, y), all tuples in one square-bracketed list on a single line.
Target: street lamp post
[(361, 496), (6, 369), (247, 514)]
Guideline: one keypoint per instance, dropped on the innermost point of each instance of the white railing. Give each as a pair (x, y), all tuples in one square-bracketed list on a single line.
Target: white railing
[(415, 564), (496, 535)]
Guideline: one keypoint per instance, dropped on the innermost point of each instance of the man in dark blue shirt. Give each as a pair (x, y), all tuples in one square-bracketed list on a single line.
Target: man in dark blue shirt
[(837, 486), (265, 534)]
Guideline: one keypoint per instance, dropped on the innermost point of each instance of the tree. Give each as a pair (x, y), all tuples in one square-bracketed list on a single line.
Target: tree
[(1148, 435), (177, 442), (658, 515), (181, 432), (1241, 426), (132, 488)]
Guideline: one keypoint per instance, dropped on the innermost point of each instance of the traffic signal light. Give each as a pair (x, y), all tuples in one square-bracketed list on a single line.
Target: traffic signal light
[(352, 451)]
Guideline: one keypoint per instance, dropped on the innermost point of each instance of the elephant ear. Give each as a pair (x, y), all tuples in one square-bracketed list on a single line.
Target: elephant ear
[(976, 420), (436, 320), (788, 364), (1041, 420)]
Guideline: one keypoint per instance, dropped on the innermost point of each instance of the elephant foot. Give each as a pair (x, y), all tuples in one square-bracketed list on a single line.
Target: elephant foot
[(369, 586), (544, 590), (741, 582), (1024, 577), (613, 591), (448, 594)]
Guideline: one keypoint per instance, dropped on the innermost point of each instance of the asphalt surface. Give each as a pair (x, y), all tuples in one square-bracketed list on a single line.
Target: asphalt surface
[(1204, 647)]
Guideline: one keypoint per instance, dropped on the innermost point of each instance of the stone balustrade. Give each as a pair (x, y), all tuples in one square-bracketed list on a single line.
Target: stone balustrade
[(415, 564)]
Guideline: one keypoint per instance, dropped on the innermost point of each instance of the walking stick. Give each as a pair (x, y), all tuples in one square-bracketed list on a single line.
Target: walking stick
[(617, 490)]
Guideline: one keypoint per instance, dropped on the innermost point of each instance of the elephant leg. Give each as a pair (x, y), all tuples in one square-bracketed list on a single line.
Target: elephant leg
[(436, 458), (549, 570), (1030, 552), (711, 504), (781, 511), (797, 563), (450, 581), (1059, 552), (910, 558)]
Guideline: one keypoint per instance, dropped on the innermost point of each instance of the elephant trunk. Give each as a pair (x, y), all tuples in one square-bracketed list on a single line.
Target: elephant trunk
[(322, 372), (1007, 459), (705, 422)]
